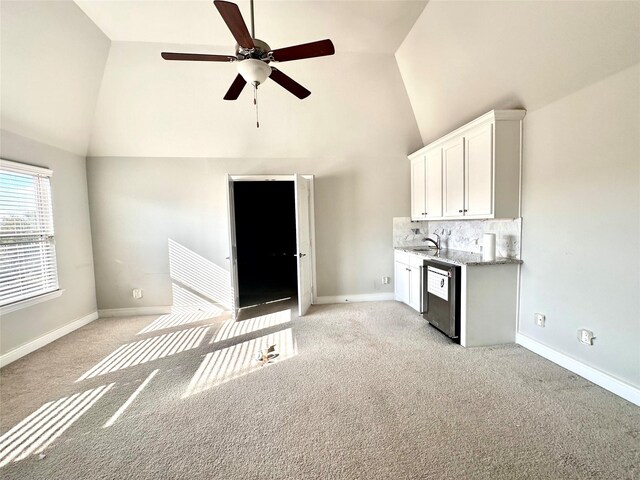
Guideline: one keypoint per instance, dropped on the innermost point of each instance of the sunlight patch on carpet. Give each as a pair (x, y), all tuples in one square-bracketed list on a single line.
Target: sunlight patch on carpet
[(144, 351), (232, 362), (231, 328), (130, 400), (42, 427)]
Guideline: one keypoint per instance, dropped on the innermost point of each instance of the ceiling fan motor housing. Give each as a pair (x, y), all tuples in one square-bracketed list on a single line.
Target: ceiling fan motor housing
[(250, 63), (260, 51)]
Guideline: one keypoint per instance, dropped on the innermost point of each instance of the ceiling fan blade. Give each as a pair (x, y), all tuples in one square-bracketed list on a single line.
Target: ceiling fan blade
[(197, 57), (233, 18), (236, 87), (288, 83), (306, 50)]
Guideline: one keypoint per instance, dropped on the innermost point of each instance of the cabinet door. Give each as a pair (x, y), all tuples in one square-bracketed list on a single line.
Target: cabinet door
[(433, 172), (401, 282), (418, 188), (479, 171), (453, 178), (415, 288)]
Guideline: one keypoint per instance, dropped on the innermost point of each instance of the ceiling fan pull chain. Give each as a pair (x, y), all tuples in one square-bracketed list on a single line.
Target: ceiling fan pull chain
[(255, 102)]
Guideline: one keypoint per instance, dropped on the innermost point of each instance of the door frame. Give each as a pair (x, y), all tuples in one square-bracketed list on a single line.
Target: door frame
[(231, 178)]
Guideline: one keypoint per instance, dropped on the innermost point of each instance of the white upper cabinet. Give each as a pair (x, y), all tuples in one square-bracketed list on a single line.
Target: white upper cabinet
[(473, 172), (433, 169), (426, 185), (478, 189), (453, 177), (418, 189)]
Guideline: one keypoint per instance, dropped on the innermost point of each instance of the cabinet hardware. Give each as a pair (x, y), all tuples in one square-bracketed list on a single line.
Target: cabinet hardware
[(460, 211)]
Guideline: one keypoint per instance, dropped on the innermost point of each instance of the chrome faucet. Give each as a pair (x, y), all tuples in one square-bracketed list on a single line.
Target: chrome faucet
[(436, 242)]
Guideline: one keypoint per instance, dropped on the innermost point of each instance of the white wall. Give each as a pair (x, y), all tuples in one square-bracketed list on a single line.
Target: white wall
[(73, 244), (52, 59), (574, 67), (462, 59), (138, 204), (353, 133), (581, 224)]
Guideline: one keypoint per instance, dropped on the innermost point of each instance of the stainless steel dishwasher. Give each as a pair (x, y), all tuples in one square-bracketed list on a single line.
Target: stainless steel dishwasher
[(441, 297)]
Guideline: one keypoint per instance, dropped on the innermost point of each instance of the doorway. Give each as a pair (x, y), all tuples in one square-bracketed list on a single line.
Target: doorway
[(265, 217), (271, 239)]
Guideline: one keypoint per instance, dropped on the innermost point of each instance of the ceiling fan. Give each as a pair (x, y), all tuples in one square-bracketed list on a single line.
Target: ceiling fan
[(253, 56)]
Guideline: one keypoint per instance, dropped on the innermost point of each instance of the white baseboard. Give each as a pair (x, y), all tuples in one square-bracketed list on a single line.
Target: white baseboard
[(362, 297), (40, 342), (134, 311), (604, 380)]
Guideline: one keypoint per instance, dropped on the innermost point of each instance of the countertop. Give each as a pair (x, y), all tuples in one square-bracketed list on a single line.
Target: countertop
[(456, 257)]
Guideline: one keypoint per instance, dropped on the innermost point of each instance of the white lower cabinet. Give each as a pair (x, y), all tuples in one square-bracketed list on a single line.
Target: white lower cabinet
[(415, 287), (408, 279), (488, 304), (402, 279)]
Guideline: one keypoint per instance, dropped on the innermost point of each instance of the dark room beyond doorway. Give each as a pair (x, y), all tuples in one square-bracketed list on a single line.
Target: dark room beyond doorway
[(266, 241)]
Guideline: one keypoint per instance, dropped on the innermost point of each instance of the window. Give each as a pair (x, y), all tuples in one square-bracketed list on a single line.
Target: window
[(27, 248)]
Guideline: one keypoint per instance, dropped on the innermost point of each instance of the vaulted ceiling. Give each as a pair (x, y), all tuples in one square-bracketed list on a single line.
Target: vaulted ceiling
[(354, 26), (88, 77), (151, 107)]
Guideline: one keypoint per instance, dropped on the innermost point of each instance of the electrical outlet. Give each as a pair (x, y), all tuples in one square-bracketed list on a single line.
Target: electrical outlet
[(137, 293), (586, 336), (386, 280), (539, 319)]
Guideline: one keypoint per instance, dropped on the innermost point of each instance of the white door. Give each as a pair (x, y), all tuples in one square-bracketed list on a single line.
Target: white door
[(418, 211), (453, 178), (233, 249), (479, 171), (303, 242), (433, 171)]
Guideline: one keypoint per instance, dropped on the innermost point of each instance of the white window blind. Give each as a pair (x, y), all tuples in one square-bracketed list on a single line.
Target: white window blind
[(27, 248)]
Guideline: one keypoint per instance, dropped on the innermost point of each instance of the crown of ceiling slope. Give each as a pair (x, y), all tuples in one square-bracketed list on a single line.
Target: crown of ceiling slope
[(253, 56)]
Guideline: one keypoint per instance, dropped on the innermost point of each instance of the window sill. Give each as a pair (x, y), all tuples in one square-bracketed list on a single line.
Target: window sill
[(12, 307)]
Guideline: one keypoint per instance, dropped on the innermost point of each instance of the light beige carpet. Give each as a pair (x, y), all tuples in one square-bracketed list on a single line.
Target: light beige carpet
[(357, 391)]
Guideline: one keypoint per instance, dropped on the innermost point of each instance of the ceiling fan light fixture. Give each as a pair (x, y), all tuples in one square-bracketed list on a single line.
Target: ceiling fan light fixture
[(254, 71)]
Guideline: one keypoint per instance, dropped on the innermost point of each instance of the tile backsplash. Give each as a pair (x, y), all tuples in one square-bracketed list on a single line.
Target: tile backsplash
[(465, 235)]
